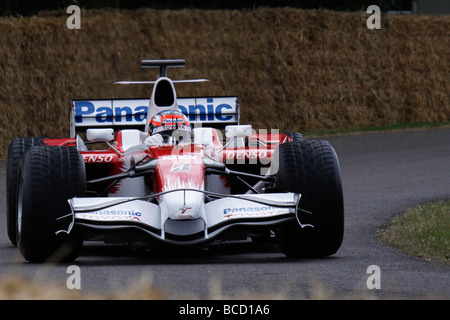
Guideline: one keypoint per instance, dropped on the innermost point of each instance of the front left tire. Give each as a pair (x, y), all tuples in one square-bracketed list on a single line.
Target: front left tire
[(311, 168)]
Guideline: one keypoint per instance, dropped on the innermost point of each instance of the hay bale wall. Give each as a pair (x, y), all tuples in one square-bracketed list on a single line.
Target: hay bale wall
[(293, 69)]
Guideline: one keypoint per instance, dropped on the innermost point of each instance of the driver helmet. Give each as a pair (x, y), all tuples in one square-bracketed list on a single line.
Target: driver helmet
[(172, 125)]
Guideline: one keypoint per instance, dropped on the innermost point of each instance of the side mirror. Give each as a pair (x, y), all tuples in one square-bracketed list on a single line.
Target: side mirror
[(100, 135), (237, 134)]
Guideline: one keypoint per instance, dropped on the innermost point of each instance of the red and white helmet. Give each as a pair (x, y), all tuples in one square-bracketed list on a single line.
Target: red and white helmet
[(172, 125)]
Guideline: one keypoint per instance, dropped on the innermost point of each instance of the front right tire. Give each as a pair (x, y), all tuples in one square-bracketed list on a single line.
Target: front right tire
[(48, 177)]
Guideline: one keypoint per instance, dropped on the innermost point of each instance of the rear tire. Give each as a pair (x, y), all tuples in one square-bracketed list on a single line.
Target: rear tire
[(48, 177), (295, 136), (15, 152), (311, 168)]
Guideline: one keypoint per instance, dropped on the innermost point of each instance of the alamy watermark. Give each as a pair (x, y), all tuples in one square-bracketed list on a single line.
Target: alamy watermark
[(374, 20), (374, 280), (74, 20), (74, 280)]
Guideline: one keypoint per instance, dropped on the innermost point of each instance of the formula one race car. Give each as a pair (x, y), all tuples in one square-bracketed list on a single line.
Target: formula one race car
[(159, 172)]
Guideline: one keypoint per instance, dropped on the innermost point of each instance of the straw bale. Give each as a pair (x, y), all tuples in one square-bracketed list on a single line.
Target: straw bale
[(296, 70)]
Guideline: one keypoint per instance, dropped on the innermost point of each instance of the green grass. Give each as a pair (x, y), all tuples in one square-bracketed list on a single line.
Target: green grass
[(423, 231)]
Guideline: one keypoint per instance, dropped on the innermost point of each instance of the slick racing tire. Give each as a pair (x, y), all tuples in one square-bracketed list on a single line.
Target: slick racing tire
[(15, 152), (48, 177), (311, 168)]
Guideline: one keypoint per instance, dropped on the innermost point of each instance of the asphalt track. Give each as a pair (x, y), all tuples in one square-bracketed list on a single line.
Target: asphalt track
[(382, 173)]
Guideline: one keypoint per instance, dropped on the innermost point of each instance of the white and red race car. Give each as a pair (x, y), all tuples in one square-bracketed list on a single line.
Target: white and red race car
[(105, 182)]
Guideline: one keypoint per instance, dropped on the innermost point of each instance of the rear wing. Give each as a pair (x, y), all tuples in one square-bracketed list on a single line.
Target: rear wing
[(216, 112)]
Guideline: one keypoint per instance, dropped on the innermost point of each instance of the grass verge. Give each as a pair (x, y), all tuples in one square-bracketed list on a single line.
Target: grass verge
[(422, 231)]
